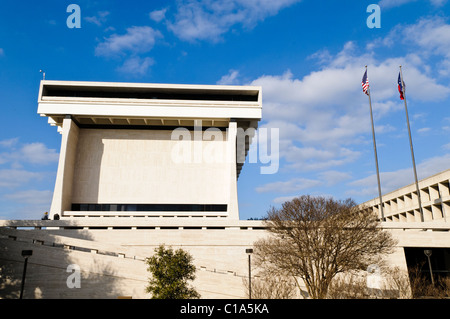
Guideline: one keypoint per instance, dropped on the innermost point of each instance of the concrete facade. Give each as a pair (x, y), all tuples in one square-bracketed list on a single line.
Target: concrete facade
[(110, 253), (129, 147), (140, 165), (136, 167), (402, 205), (117, 150)]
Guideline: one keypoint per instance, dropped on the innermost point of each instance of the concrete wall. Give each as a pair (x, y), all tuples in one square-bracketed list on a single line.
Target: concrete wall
[(62, 195), (138, 166), (111, 259), (402, 205), (122, 166)]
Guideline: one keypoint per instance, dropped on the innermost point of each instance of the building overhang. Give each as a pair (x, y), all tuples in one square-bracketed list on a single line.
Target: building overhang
[(114, 103), (150, 105)]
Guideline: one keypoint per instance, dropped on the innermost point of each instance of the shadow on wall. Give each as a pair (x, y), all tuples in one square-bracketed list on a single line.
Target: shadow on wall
[(54, 270), (85, 184)]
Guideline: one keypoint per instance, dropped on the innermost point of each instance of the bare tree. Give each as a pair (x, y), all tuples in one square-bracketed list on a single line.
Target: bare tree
[(316, 238)]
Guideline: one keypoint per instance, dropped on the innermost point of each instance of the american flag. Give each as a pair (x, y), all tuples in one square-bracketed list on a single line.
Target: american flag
[(365, 83)]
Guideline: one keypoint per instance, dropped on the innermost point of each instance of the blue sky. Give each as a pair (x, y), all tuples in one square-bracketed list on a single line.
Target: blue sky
[(308, 56)]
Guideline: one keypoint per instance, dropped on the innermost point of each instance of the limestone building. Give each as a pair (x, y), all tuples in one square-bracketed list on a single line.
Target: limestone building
[(148, 164), (402, 205), (149, 149), (140, 165)]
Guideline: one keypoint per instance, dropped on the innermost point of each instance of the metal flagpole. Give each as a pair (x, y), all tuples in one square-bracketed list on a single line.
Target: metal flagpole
[(411, 146), (376, 156)]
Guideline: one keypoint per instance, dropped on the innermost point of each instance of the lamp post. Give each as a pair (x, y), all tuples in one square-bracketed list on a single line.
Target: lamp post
[(428, 253), (249, 251), (25, 254)]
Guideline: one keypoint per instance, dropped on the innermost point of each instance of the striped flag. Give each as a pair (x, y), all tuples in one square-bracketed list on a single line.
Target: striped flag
[(365, 83), (400, 86)]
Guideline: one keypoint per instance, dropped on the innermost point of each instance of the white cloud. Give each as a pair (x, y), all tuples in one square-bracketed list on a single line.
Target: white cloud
[(34, 153), (334, 177), (35, 197), (38, 153), (290, 186), (282, 199), (391, 181), (9, 142), (297, 184), (397, 3), (313, 158), (230, 78), (433, 37), (2, 52), (424, 130), (158, 15), (438, 3), (99, 19), (393, 3), (136, 65), (429, 37), (323, 117), (16, 177), (208, 20), (136, 40), (314, 124), (430, 33)]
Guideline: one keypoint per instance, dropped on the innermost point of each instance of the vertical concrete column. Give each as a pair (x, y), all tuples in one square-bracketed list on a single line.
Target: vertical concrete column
[(62, 194), (233, 208), (446, 211), (444, 189)]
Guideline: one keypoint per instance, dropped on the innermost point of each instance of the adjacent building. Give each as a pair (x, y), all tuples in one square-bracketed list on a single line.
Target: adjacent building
[(402, 205)]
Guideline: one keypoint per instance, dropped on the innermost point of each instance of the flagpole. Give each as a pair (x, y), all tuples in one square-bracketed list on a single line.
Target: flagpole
[(411, 146), (375, 152)]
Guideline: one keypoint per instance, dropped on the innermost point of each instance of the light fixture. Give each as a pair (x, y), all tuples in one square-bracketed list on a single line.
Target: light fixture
[(428, 253), (25, 254), (249, 251)]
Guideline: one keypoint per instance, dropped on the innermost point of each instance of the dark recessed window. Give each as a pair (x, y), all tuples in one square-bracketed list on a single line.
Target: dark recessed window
[(151, 207), (149, 93)]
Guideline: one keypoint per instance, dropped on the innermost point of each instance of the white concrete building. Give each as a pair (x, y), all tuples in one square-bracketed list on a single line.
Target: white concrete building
[(149, 164), (131, 149), (140, 165), (402, 205)]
